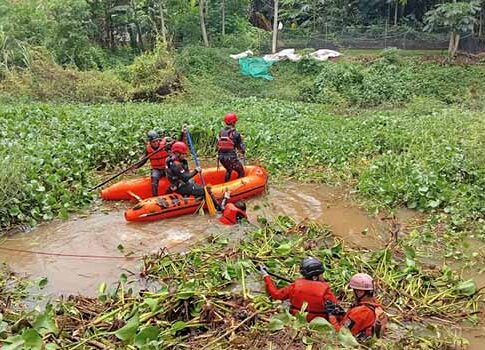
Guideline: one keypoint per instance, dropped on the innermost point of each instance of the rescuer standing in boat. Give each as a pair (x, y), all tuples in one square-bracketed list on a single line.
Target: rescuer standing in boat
[(228, 142), (312, 289), (159, 149), (365, 317)]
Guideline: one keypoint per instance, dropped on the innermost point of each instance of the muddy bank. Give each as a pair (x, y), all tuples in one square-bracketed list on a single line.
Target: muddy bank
[(96, 238)]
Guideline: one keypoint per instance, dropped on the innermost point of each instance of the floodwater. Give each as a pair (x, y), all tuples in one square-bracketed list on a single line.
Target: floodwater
[(94, 239), (89, 249)]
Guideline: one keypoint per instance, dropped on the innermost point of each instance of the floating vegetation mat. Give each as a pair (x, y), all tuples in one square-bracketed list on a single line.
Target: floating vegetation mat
[(212, 297)]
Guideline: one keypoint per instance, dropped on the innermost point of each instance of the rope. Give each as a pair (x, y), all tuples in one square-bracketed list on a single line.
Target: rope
[(82, 256), (69, 255)]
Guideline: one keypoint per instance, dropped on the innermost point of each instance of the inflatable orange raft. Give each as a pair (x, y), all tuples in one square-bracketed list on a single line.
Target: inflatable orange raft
[(171, 205)]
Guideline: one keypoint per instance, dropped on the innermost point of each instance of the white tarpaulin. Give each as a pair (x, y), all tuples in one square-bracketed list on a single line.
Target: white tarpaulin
[(324, 54), (283, 55), (289, 54), (242, 55)]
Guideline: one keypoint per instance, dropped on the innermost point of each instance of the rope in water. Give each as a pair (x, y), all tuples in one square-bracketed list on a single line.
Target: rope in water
[(92, 256)]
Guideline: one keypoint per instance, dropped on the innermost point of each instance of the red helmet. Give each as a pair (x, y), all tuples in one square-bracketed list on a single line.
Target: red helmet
[(361, 281), (230, 118), (180, 147)]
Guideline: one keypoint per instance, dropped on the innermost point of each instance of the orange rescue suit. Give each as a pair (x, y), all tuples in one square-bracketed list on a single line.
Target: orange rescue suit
[(315, 293), (157, 161), (231, 214), (360, 319)]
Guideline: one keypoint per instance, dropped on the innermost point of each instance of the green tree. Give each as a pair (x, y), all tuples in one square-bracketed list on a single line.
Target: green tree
[(456, 17), (69, 37)]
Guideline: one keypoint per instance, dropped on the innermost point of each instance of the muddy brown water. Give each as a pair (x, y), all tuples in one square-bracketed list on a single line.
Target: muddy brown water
[(101, 232)]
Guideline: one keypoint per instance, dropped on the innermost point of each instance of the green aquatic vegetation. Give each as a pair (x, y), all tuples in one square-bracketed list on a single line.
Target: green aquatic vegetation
[(211, 297), (423, 157)]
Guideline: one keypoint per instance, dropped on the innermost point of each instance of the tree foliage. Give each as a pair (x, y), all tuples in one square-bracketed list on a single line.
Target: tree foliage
[(82, 32), (456, 17)]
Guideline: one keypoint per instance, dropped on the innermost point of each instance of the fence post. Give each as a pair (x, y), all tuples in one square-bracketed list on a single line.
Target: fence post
[(385, 34)]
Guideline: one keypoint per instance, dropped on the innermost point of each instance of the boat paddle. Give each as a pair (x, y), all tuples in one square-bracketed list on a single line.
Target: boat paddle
[(126, 170), (208, 199)]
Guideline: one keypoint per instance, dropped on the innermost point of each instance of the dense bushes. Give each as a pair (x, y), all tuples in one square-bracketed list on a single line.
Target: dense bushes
[(390, 81), (150, 77)]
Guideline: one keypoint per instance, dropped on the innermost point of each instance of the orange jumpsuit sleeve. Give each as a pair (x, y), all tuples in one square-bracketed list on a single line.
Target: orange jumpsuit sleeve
[(275, 292), (330, 296), (335, 323)]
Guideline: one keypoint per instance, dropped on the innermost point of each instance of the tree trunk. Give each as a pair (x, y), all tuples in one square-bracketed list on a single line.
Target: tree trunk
[(162, 24), (396, 9), (202, 23), (454, 42), (457, 43), (275, 27), (137, 25), (223, 8), (481, 20), (314, 16)]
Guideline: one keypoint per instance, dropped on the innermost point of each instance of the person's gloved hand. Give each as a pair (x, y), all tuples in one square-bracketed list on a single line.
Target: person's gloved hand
[(198, 169), (330, 307), (184, 128), (227, 195), (263, 271)]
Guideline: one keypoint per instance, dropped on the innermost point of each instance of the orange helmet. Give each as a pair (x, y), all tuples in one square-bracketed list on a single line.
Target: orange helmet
[(180, 147), (230, 118)]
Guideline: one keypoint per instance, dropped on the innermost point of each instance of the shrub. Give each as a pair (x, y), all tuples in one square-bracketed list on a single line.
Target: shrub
[(390, 81), (152, 75)]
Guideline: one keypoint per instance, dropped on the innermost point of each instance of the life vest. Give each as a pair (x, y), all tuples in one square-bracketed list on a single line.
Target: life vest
[(225, 142), (231, 215), (314, 293), (157, 160), (380, 320), (366, 319), (173, 176)]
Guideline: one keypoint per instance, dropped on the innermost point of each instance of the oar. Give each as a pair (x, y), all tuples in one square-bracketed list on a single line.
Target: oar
[(208, 199), (126, 170)]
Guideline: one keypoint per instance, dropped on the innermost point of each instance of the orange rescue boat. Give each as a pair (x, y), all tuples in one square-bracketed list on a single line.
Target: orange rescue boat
[(174, 204)]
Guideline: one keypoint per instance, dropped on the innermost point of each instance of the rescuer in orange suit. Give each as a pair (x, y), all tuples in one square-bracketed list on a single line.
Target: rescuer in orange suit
[(312, 289), (159, 148), (365, 317), (232, 213)]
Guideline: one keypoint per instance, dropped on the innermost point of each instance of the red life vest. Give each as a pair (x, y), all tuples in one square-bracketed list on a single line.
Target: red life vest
[(366, 319), (230, 214), (225, 142), (315, 293), (157, 161), (380, 320)]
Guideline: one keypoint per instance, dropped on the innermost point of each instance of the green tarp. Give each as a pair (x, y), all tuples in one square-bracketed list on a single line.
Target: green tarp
[(255, 67)]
